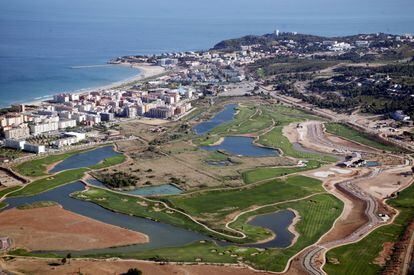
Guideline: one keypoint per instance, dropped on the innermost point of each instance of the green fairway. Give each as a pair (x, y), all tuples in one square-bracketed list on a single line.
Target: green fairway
[(264, 173), (202, 251), (252, 119), (310, 227), (347, 132), (276, 139), (359, 258), (140, 207), (50, 182), (8, 190), (213, 206), (317, 215), (37, 167)]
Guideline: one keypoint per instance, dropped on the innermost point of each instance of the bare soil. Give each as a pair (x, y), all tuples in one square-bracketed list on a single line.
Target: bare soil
[(53, 228)]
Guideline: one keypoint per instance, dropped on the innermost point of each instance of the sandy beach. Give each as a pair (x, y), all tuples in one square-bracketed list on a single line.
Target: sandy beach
[(145, 70)]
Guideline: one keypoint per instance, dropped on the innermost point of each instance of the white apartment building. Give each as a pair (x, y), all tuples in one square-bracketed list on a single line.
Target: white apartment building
[(67, 123), (34, 148), (40, 128), (18, 132)]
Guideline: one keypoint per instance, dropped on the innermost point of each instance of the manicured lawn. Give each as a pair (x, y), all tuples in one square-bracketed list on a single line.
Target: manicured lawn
[(204, 251), (51, 182), (138, 207), (359, 258), (347, 132), (216, 204), (37, 167), (276, 139), (8, 190), (24, 252), (111, 161), (317, 216), (264, 173)]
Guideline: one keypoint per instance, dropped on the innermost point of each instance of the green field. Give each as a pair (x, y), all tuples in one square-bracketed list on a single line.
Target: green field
[(213, 206), (359, 258), (265, 173), (47, 182), (8, 190), (310, 227), (37, 167), (254, 119), (257, 119), (347, 132), (50, 182), (209, 206), (139, 207)]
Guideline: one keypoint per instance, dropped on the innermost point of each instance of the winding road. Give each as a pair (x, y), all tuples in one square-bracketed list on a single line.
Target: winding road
[(310, 258)]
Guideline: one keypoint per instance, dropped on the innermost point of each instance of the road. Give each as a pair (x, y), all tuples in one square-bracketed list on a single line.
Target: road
[(335, 117), (315, 252)]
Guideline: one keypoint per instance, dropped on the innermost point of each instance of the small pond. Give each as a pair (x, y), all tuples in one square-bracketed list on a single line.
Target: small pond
[(278, 222), (164, 189)]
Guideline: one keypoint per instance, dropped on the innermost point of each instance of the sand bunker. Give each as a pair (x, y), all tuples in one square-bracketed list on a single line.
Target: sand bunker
[(323, 174), (340, 171)]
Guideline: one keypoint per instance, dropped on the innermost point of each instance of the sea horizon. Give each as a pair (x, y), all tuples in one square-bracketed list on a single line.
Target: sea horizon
[(43, 41)]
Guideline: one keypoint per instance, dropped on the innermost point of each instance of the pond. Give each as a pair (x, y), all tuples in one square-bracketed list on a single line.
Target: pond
[(279, 223), (85, 159), (224, 116), (372, 164), (219, 162), (242, 146), (164, 189)]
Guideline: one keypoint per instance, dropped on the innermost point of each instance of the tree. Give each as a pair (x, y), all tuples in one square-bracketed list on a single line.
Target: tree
[(69, 256), (63, 261)]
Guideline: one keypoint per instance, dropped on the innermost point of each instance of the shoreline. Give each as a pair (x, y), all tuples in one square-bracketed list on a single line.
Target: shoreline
[(145, 70)]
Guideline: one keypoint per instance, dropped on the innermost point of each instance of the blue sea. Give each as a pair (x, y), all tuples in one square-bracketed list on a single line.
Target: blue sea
[(41, 41)]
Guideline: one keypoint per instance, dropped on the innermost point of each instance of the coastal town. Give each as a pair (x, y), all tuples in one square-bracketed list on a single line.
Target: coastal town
[(282, 152), (225, 70)]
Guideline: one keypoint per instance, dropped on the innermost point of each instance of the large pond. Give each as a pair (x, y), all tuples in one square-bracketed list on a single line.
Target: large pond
[(278, 222), (242, 146), (160, 234), (85, 159), (164, 189), (224, 116)]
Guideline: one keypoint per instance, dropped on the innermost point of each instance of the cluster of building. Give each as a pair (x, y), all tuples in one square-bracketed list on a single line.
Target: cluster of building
[(70, 111)]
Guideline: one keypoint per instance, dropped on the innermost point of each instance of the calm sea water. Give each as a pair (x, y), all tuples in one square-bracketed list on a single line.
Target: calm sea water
[(41, 40)]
